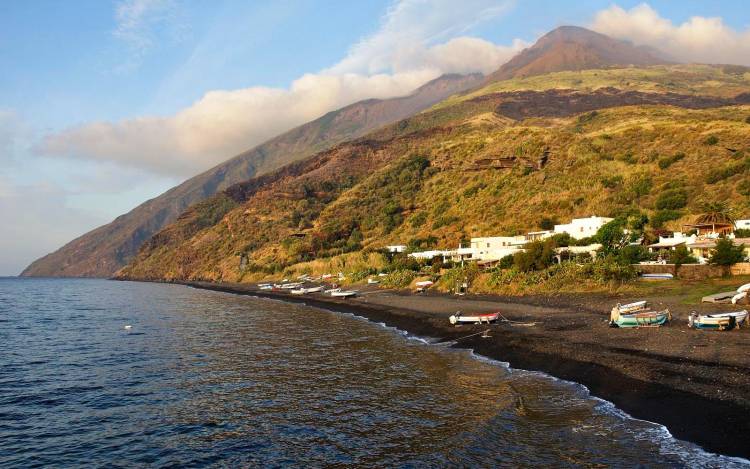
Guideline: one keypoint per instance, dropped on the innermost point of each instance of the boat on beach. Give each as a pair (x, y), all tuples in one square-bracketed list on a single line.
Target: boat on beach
[(304, 291), (639, 318), (473, 318), (339, 293), (630, 308), (718, 321)]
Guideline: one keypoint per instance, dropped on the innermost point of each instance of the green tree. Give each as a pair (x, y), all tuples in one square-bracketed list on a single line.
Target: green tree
[(726, 253), (681, 255), (536, 255), (612, 236)]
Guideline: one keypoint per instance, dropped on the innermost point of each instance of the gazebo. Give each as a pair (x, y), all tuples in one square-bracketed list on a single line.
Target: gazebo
[(717, 223)]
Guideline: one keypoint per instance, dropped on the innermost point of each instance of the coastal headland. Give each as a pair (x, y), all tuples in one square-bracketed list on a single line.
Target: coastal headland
[(696, 383)]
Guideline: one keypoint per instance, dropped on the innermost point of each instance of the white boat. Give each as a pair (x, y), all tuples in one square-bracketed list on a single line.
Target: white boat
[(739, 296), (424, 283), (474, 318), (315, 289), (657, 276), (630, 308), (339, 293), (718, 321), (372, 281), (298, 291), (265, 286), (744, 288), (289, 286)]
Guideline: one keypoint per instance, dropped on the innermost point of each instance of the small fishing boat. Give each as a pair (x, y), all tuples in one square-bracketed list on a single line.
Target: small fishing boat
[(475, 318), (744, 288), (372, 281), (718, 321), (315, 289), (298, 291), (630, 308), (265, 286), (639, 318), (339, 293)]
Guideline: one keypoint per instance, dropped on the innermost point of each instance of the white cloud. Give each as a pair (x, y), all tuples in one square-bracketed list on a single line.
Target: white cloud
[(700, 39), (403, 54)]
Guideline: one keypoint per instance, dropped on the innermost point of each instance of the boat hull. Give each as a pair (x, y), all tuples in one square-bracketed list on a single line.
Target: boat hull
[(648, 319), (473, 319)]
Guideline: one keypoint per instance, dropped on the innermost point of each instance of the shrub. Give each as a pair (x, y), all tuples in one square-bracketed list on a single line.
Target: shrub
[(608, 270), (445, 220), (744, 187), (612, 181), (536, 255), (681, 255), (562, 240), (726, 253), (547, 223), (418, 220), (668, 161), (398, 279), (742, 233), (633, 254), (711, 140), (724, 172), (671, 199), (663, 216), (641, 186), (506, 262)]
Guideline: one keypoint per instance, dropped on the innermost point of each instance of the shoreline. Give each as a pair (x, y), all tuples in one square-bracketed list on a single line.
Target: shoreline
[(718, 425)]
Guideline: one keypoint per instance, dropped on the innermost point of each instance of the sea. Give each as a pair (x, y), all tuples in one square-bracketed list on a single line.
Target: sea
[(97, 373)]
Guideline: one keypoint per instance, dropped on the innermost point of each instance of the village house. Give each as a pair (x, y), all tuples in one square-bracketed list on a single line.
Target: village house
[(702, 248), (396, 248), (580, 228), (670, 243), (742, 224), (496, 247)]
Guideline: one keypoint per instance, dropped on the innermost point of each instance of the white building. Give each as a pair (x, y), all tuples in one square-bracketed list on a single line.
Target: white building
[(496, 247), (742, 224), (670, 243), (396, 248), (581, 228)]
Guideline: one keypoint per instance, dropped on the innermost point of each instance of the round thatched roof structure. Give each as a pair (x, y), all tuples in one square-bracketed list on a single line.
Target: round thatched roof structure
[(714, 218)]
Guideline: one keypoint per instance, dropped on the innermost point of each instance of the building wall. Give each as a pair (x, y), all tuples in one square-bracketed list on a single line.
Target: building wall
[(583, 227), (496, 247)]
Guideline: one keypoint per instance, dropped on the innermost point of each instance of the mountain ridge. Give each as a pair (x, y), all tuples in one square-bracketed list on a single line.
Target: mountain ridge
[(102, 251), (575, 48)]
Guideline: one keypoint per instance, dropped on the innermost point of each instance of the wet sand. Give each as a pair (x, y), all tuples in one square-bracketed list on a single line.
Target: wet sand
[(697, 383)]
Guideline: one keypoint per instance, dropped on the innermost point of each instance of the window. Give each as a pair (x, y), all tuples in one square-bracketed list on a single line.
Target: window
[(488, 245)]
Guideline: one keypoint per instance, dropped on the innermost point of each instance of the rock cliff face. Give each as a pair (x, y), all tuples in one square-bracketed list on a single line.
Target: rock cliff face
[(106, 249)]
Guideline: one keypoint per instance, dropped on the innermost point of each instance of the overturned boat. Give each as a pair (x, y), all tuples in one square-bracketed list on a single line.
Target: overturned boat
[(718, 321), (639, 318), (473, 318)]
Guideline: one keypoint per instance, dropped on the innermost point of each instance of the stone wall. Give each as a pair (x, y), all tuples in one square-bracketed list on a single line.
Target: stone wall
[(695, 271)]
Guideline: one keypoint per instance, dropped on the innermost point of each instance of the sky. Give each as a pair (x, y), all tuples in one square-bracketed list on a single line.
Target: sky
[(105, 104)]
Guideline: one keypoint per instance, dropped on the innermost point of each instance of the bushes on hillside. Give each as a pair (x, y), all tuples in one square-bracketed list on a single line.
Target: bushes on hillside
[(711, 140), (719, 174), (672, 199), (547, 223), (663, 216), (612, 181), (667, 161)]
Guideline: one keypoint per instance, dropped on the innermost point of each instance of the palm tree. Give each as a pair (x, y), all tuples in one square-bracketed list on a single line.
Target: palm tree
[(715, 213)]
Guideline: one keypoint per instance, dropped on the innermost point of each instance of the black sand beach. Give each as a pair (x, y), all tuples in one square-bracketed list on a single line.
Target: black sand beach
[(696, 383)]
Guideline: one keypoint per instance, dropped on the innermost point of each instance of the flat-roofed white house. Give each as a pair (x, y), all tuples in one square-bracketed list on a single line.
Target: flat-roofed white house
[(428, 254), (670, 243), (494, 248), (580, 228), (396, 248), (742, 224)]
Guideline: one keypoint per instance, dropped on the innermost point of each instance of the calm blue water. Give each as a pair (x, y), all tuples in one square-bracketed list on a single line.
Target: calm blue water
[(211, 379)]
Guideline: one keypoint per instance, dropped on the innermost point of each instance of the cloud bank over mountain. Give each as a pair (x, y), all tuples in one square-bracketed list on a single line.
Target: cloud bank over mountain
[(700, 39), (415, 43)]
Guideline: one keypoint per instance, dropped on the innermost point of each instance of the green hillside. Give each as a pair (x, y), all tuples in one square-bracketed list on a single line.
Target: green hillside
[(428, 180)]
